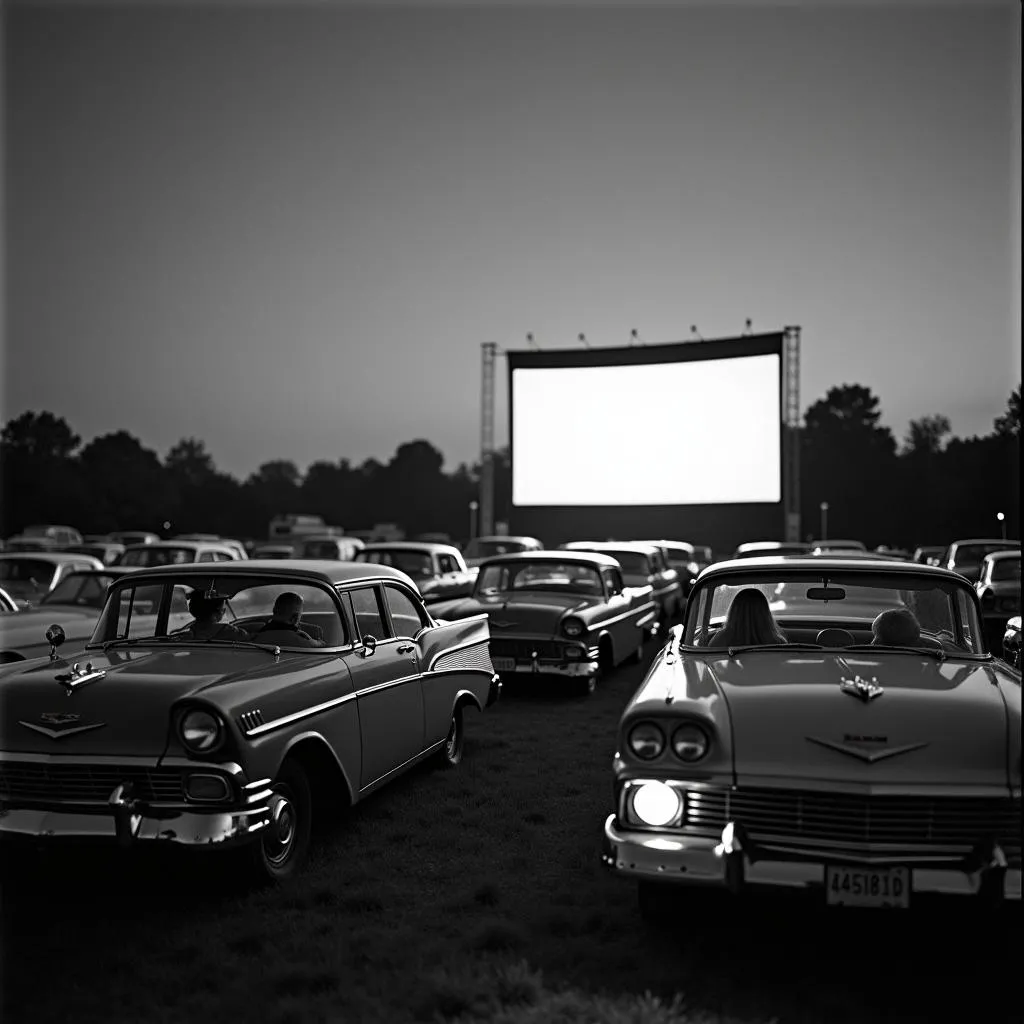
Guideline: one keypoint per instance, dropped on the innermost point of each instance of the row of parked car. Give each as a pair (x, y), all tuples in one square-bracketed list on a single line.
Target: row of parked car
[(816, 756)]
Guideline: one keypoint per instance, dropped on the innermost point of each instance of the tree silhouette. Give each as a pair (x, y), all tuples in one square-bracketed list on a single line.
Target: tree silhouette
[(925, 436), (39, 436), (1009, 422), (190, 462)]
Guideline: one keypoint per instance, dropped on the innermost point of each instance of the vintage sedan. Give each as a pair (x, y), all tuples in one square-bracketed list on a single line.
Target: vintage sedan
[(176, 552), (31, 576), (438, 569), (763, 548), (480, 548), (866, 774), (643, 564), (151, 735), (966, 556), (563, 614), (75, 602), (998, 586)]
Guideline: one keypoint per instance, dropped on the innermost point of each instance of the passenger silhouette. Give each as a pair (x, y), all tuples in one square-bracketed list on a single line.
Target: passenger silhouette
[(748, 621)]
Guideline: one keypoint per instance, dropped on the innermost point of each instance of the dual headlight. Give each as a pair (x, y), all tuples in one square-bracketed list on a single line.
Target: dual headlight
[(200, 731), (690, 742)]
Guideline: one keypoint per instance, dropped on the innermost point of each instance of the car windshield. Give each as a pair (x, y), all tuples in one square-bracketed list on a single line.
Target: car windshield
[(702, 554), (1006, 569), (489, 548), (570, 577), (972, 554), (837, 611), (416, 563), (633, 563), (36, 531), (153, 555), (88, 590), (26, 577), (145, 611)]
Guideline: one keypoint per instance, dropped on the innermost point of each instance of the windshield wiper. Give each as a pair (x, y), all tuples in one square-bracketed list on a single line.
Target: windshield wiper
[(938, 653)]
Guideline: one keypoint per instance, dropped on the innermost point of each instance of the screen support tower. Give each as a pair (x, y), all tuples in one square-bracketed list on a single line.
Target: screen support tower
[(485, 524), (791, 430)]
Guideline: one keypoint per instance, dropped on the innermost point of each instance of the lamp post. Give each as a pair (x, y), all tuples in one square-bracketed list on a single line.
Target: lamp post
[(824, 520), (473, 506), (1002, 523)]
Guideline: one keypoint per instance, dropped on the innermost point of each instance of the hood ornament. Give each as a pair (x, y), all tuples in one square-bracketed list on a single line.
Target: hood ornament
[(863, 689), (501, 624), (56, 725), (79, 677)]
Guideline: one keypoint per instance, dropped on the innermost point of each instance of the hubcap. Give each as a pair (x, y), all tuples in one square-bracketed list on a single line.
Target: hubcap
[(280, 834)]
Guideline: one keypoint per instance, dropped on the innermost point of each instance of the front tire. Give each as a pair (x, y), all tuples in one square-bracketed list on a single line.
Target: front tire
[(283, 845)]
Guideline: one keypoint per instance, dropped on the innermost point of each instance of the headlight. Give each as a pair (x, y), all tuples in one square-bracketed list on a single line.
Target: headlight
[(573, 627), (646, 740), (655, 803), (200, 731), (690, 743)]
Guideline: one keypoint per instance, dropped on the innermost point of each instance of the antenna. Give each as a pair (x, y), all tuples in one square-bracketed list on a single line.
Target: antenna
[(695, 332), (582, 339)]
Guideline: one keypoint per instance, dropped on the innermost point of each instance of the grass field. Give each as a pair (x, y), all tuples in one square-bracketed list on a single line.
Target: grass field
[(474, 895)]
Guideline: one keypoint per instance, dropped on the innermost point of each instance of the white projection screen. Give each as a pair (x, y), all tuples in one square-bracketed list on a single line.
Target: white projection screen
[(693, 432)]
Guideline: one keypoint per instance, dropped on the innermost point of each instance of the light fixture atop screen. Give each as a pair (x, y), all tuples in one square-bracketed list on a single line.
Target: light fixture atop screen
[(695, 332), (748, 327), (634, 338), (531, 341), (582, 339)]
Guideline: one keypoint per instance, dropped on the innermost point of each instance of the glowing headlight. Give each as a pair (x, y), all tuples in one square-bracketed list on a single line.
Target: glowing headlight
[(690, 742), (646, 740), (654, 803), (572, 627), (200, 731)]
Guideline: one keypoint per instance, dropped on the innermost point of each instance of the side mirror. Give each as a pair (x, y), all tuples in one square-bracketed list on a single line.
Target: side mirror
[(55, 636), (1011, 642), (369, 642)]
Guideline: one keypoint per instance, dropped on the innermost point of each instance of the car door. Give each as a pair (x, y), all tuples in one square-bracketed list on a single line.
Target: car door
[(389, 694), (621, 618)]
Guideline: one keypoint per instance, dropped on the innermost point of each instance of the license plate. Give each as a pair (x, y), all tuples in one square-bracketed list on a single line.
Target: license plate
[(504, 664), (867, 887)]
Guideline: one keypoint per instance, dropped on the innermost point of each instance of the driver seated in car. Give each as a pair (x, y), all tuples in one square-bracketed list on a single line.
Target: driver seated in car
[(749, 622), (207, 613), (896, 627), (283, 627)]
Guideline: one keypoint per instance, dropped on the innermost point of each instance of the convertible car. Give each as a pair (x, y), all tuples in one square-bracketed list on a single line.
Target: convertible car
[(865, 773), (564, 614), (153, 735)]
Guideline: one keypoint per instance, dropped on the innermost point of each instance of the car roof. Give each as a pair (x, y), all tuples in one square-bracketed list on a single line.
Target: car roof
[(985, 540), (521, 537), (997, 556), (216, 545), (56, 557), (641, 547), (838, 564), (591, 558), (321, 570), (425, 546)]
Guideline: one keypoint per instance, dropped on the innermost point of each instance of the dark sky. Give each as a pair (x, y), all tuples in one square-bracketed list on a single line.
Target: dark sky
[(288, 231)]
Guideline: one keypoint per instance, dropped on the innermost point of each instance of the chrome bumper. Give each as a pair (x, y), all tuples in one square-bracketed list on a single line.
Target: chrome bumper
[(738, 866), (564, 669)]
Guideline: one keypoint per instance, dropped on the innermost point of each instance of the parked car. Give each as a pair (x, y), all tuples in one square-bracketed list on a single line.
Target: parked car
[(825, 546), (30, 576), (176, 552), (866, 774), (75, 602), (272, 551), (480, 548), (343, 549), (236, 545), (687, 559), (129, 538), (761, 548), (642, 564), (567, 615), (44, 538), (106, 551), (147, 737), (438, 570), (966, 556), (998, 586), (929, 554)]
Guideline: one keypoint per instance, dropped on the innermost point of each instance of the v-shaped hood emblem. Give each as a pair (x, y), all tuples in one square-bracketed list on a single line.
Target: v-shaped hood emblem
[(871, 756)]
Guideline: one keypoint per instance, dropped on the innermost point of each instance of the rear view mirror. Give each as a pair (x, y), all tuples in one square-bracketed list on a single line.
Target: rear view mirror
[(825, 594)]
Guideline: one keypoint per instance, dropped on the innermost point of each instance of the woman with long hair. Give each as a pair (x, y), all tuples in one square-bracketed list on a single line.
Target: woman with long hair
[(748, 621)]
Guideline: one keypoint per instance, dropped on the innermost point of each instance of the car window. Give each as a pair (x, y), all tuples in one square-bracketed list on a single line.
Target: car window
[(405, 615), (223, 556), (446, 563), (369, 619), (612, 580)]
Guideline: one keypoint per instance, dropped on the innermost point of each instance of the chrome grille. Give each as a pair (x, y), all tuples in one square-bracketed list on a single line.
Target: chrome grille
[(475, 657), (33, 782), (855, 819), (523, 649)]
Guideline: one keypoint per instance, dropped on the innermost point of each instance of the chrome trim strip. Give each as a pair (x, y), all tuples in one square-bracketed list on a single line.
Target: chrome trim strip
[(626, 614), (257, 783), (386, 686), (408, 761), (127, 760), (297, 715)]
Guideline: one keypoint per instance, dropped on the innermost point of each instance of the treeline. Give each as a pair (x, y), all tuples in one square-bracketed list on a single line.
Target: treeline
[(925, 489)]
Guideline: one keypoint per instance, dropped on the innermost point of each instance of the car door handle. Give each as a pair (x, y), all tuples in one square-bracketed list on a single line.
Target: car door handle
[(405, 648)]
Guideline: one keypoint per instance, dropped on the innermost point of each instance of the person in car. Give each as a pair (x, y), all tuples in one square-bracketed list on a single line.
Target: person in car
[(283, 627), (207, 613), (896, 627), (748, 621)]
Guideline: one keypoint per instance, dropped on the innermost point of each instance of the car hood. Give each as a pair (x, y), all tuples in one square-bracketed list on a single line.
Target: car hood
[(130, 706), (529, 612), (28, 628), (934, 722)]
